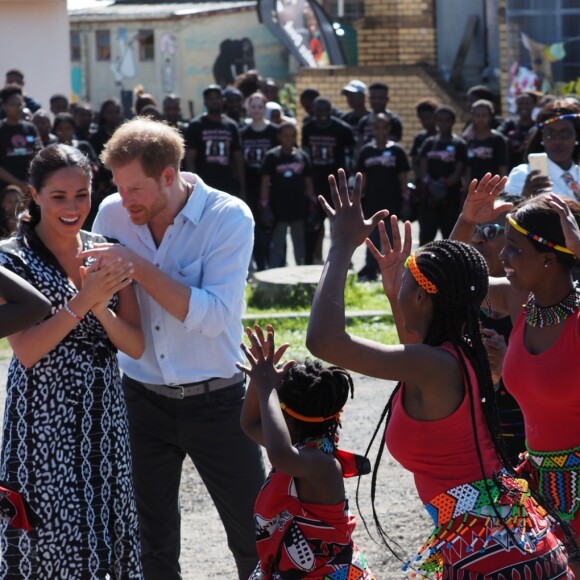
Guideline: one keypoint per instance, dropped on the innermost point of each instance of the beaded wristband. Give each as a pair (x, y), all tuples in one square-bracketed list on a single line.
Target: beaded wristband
[(70, 311)]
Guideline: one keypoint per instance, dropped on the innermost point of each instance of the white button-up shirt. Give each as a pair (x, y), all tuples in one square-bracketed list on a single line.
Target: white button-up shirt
[(208, 248), (518, 175)]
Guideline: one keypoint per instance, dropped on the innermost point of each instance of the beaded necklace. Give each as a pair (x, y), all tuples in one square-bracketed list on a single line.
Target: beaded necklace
[(542, 316)]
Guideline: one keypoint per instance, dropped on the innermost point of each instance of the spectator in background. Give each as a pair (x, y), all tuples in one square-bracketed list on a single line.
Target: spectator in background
[(442, 161), (213, 146), (476, 93), (152, 112), (517, 130), (487, 148), (378, 101), (248, 83), (558, 135), (84, 122), (307, 97), (16, 77), (43, 125), (258, 137), (19, 141), (233, 106), (142, 99), (286, 190), (385, 168), (58, 104), (270, 90), (10, 200), (355, 93), (329, 143), (110, 117), (425, 110), (172, 113)]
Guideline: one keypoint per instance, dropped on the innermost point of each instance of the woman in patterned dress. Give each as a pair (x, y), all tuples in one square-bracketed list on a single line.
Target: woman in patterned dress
[(65, 442)]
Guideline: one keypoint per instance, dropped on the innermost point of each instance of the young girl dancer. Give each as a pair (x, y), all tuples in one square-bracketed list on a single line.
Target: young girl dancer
[(486, 523), (303, 525)]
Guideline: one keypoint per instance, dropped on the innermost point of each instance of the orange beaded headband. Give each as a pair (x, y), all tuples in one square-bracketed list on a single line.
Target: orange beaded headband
[(304, 418), (422, 280)]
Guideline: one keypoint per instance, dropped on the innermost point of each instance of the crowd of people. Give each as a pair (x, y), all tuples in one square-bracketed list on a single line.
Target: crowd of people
[(125, 254)]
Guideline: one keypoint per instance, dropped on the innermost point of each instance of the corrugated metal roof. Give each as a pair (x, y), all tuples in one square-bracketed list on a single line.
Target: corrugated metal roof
[(157, 11)]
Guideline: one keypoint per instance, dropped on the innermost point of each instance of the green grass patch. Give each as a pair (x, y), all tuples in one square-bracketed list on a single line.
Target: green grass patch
[(367, 296), (357, 296), (293, 330)]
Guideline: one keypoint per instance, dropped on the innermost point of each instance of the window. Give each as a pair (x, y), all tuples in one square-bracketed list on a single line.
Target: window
[(146, 45), (547, 23), (75, 45), (103, 44)]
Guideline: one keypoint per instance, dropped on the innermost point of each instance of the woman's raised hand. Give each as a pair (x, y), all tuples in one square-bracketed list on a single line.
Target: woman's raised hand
[(568, 222), (348, 223), (481, 204), (392, 260)]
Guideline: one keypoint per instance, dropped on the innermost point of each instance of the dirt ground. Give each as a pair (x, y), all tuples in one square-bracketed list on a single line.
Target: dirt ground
[(204, 549)]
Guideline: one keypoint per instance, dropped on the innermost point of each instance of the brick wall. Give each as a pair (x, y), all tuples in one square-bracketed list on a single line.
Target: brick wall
[(397, 32)]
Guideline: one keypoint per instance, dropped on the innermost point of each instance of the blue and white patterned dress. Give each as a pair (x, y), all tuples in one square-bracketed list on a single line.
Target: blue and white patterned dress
[(66, 444)]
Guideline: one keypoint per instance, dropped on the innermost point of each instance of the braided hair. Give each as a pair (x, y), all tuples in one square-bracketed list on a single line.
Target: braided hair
[(313, 390), (460, 273), (538, 216)]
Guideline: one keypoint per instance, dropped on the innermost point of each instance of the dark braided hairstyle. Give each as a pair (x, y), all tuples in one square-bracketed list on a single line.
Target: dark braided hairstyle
[(539, 217), (460, 273), (313, 390)]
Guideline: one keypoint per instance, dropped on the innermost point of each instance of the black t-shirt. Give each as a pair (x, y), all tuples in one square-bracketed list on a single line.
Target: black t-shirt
[(516, 135), (486, 155), (255, 145), (365, 127), (443, 157), (328, 147), (418, 141), (215, 143), (381, 167), (18, 145), (288, 172)]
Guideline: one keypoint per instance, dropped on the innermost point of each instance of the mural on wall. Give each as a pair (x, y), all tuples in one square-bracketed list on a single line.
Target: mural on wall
[(124, 66), (305, 29), (168, 52), (235, 57)]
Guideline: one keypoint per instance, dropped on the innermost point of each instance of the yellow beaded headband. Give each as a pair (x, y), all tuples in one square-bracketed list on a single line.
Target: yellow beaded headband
[(422, 280), (537, 238), (306, 419)]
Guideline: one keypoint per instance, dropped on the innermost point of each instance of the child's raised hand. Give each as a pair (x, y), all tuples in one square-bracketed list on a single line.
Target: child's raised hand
[(262, 357), (260, 334)]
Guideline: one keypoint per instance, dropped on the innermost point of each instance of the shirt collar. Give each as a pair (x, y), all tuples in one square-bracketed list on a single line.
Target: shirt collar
[(193, 209)]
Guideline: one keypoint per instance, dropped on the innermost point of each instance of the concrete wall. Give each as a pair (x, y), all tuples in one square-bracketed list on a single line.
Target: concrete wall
[(185, 52), (34, 38)]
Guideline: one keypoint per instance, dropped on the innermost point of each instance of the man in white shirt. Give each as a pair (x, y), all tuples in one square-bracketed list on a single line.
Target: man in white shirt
[(190, 246)]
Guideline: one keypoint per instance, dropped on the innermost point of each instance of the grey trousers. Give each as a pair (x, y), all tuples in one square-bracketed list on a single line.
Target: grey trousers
[(207, 428)]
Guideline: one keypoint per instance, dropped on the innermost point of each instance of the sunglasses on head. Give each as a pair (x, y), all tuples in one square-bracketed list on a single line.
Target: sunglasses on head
[(489, 231)]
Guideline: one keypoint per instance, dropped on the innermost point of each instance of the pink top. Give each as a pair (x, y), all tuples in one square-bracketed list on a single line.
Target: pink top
[(547, 386), (442, 454)]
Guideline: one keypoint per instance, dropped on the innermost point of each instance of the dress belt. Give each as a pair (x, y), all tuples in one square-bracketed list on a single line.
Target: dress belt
[(193, 389)]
